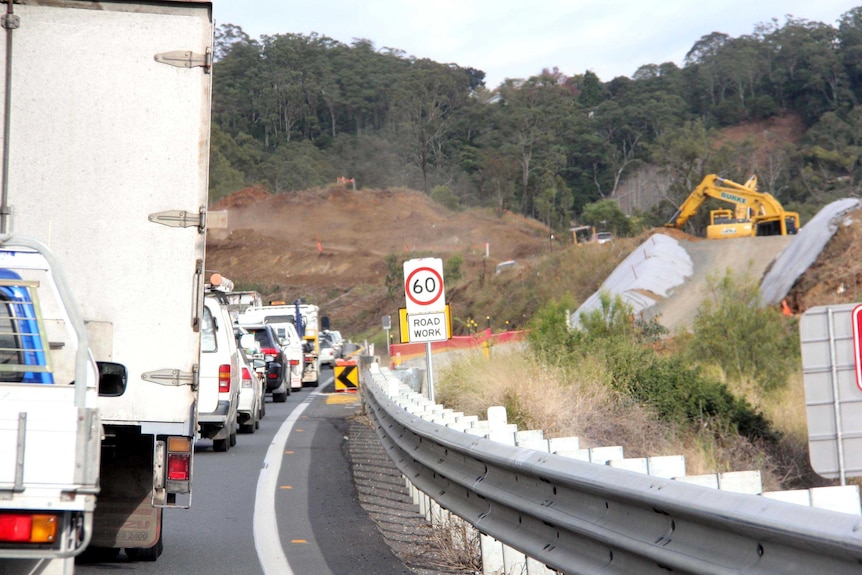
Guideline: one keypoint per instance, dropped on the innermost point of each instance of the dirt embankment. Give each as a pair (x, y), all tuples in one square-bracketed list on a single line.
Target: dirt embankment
[(330, 245)]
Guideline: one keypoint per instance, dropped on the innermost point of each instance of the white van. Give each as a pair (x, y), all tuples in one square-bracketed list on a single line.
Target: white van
[(220, 376)]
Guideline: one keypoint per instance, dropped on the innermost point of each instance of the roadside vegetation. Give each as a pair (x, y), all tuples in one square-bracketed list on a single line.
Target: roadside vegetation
[(726, 396)]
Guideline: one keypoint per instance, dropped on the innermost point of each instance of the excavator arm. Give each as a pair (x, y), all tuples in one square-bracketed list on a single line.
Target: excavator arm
[(692, 203), (754, 211)]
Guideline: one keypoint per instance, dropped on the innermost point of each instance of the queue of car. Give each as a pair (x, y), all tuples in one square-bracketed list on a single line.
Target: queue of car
[(244, 357)]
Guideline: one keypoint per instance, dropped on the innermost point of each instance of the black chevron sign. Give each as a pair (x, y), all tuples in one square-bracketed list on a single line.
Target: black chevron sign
[(346, 378)]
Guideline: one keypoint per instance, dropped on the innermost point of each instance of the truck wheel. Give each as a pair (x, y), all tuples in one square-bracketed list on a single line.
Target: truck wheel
[(247, 427), (232, 439), (279, 397), (149, 554), (221, 445)]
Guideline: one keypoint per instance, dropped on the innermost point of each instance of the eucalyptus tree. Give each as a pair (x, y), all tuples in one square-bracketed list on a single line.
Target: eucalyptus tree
[(850, 41), (533, 116), (237, 86), (427, 99)]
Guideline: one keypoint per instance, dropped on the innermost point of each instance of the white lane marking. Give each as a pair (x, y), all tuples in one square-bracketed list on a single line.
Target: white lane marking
[(267, 542)]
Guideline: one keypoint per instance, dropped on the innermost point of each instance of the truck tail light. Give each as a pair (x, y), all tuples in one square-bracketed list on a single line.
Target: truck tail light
[(294, 362), (28, 527), (179, 466), (269, 351), (246, 377), (179, 458), (224, 378)]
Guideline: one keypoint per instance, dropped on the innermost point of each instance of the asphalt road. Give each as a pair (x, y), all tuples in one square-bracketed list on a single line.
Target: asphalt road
[(281, 501)]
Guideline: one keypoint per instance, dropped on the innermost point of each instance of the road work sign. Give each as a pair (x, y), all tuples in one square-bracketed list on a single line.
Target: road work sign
[(423, 285), (425, 327)]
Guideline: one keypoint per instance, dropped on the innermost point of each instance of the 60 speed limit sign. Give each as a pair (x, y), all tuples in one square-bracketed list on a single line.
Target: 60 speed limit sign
[(423, 285)]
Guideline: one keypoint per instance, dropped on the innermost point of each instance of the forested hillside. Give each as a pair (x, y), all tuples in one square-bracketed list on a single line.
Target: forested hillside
[(293, 112)]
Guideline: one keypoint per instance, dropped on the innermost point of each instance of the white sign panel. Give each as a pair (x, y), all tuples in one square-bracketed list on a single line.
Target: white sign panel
[(423, 286), (427, 327), (833, 400)]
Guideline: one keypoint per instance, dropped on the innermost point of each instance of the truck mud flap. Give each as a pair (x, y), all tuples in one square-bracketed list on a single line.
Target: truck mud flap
[(126, 523)]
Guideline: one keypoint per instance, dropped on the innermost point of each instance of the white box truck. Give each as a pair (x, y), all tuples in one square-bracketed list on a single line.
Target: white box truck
[(106, 128)]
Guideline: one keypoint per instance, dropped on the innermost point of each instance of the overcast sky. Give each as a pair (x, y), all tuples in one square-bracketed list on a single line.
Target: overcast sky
[(518, 38)]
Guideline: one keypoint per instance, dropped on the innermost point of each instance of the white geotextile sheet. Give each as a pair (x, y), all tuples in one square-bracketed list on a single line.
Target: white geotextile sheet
[(803, 250), (657, 266)]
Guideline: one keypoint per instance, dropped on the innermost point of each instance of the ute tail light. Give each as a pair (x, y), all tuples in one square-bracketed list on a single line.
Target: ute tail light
[(28, 527), (224, 378), (294, 362), (179, 458), (246, 377)]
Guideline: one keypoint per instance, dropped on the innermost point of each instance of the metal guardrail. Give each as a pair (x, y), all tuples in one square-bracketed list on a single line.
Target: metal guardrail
[(583, 518)]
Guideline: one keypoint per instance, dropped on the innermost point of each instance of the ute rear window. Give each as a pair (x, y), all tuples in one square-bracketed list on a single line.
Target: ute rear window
[(24, 356)]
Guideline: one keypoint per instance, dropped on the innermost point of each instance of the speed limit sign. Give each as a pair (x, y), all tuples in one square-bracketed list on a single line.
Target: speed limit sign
[(423, 285)]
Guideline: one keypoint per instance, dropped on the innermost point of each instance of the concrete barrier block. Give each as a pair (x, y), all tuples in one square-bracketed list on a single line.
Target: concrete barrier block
[(741, 482), (502, 435), (497, 416), (840, 498), (468, 419), (797, 496), (563, 444), (492, 555), (667, 466), (602, 454), (514, 561), (529, 434)]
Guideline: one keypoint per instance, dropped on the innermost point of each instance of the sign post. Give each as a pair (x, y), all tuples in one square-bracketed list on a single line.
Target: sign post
[(426, 307), (387, 325)]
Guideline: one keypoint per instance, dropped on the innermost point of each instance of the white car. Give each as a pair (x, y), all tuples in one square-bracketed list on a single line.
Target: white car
[(327, 353), (220, 376), (337, 343), (291, 345), (251, 395)]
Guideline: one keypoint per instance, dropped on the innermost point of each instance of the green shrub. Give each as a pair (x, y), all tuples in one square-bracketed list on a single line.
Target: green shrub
[(548, 334), (748, 342), (679, 392)]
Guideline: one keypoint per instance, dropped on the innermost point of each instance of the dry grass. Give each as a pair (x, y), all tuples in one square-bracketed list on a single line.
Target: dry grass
[(457, 544), (560, 401), (568, 401)]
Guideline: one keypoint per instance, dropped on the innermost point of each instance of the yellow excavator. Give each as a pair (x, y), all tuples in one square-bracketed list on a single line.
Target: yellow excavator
[(754, 214)]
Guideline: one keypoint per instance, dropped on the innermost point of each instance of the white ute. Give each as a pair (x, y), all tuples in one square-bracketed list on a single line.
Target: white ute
[(49, 425)]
